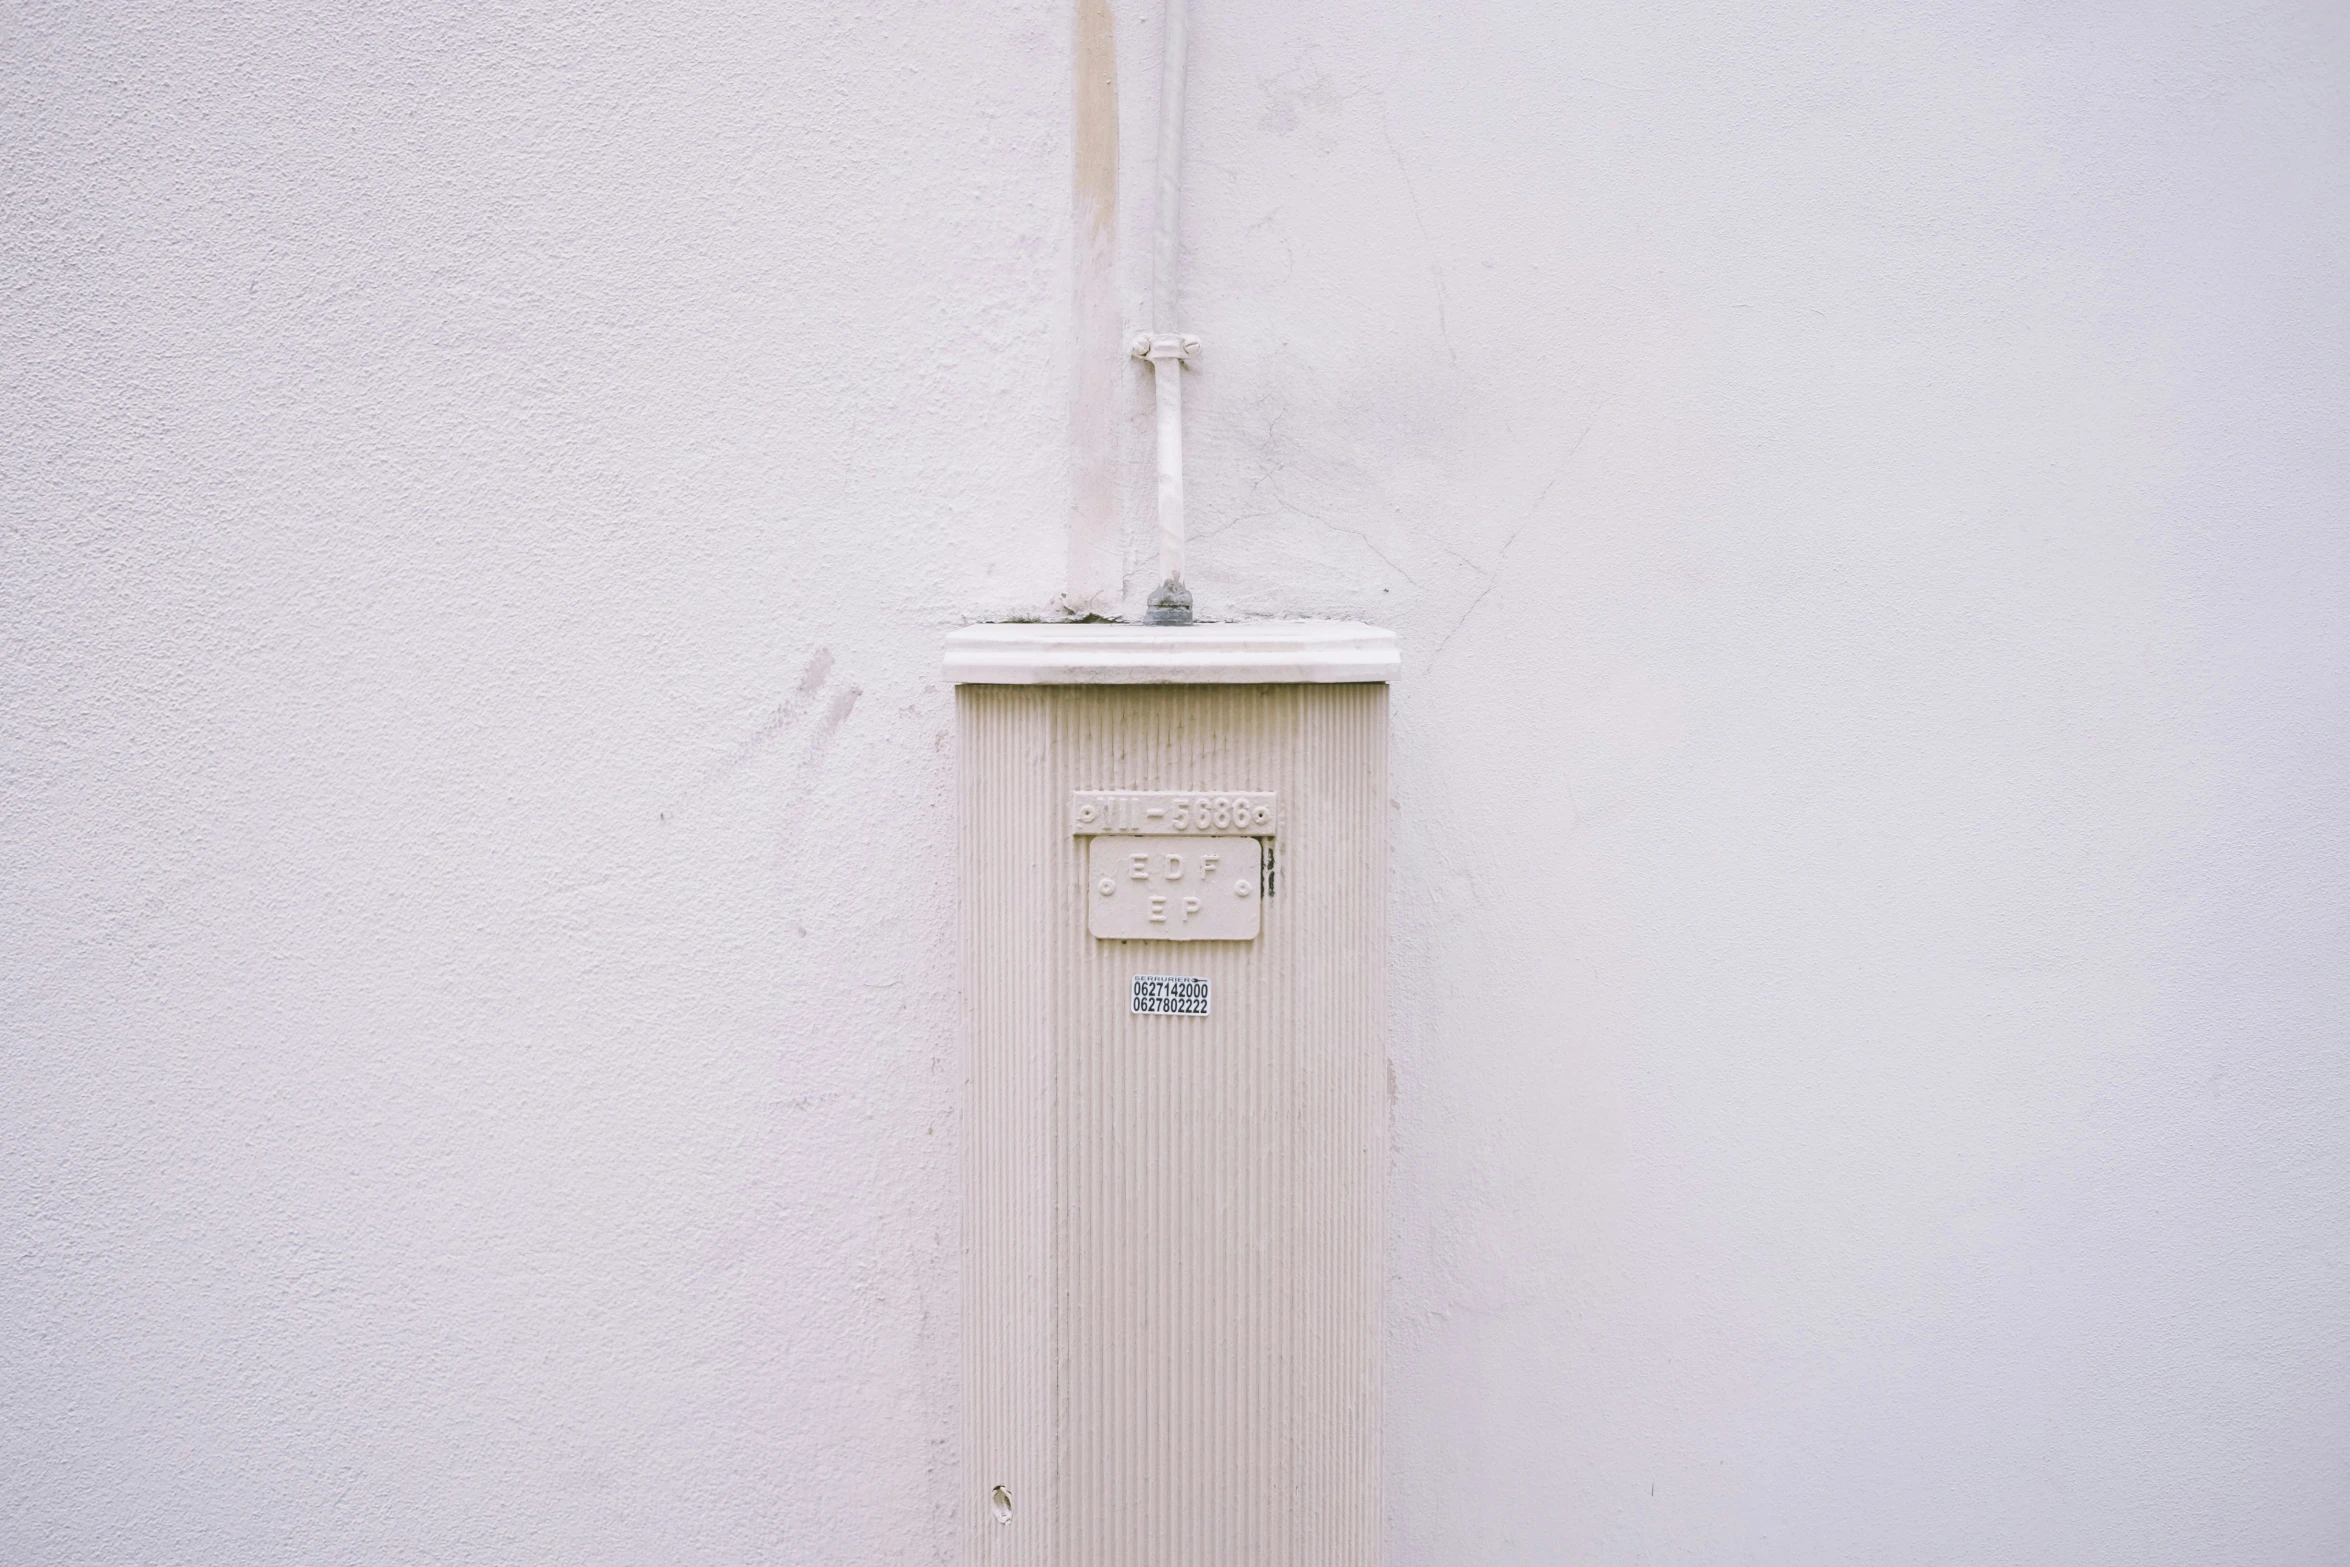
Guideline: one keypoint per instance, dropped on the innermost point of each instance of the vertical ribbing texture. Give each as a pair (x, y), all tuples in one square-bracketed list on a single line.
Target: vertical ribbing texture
[(1174, 1224)]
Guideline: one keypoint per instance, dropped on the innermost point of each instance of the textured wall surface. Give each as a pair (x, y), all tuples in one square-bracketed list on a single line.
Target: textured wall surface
[(1865, 491)]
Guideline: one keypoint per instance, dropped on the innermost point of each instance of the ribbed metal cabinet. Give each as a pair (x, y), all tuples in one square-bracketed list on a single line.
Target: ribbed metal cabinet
[(1173, 1224)]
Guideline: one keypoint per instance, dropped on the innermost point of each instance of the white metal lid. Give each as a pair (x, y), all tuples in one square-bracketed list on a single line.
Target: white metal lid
[(1262, 652)]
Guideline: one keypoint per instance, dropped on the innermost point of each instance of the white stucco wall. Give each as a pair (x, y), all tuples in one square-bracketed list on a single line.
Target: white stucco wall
[(1865, 491)]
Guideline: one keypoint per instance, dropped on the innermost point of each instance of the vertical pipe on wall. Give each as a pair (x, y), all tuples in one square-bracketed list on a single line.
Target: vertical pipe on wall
[(1095, 556), (1167, 390), (1169, 172), (1162, 345)]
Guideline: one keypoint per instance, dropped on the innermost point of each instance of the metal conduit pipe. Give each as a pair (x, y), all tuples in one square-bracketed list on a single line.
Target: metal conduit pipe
[(1165, 348)]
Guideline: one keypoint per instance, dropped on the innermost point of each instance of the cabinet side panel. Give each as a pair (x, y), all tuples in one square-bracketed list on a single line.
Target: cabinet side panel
[(1006, 847)]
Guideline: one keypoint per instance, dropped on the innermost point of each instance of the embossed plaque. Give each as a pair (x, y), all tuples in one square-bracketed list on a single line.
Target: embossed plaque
[(1173, 889)]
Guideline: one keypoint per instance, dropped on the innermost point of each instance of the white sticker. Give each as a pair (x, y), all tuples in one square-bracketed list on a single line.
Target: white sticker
[(1169, 994)]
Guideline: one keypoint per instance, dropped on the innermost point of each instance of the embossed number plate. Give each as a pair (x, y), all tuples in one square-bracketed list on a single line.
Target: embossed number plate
[(1173, 889), (1194, 812)]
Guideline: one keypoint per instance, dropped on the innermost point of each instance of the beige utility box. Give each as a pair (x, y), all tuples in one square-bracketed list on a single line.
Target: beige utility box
[(1174, 916)]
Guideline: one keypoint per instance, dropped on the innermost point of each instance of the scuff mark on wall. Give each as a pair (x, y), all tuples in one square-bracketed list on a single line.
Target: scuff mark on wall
[(784, 715), (836, 713)]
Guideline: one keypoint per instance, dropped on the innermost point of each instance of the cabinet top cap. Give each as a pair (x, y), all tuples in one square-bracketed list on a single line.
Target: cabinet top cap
[(1260, 652)]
